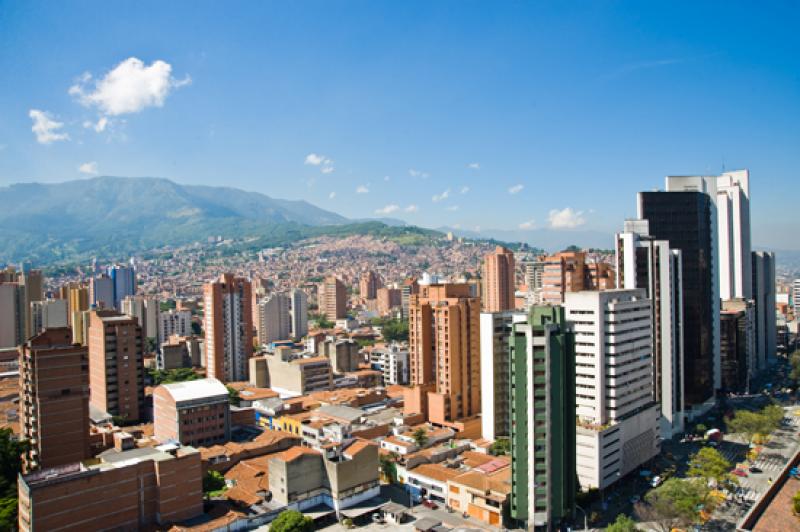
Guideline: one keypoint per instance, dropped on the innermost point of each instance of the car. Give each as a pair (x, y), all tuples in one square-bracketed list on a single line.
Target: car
[(656, 482), (739, 472), (427, 503), (754, 469)]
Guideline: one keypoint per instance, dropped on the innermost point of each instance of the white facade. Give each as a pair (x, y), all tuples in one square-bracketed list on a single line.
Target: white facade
[(174, 322), (733, 218), (614, 383), (643, 262), (796, 295), (272, 319), (146, 310), (393, 362), (495, 376), (48, 314), (298, 313)]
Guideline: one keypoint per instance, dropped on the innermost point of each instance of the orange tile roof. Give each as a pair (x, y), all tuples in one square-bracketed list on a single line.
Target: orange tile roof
[(294, 453), (437, 472), (358, 446)]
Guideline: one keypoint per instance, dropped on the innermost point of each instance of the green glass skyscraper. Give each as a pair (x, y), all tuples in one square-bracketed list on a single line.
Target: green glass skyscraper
[(542, 403)]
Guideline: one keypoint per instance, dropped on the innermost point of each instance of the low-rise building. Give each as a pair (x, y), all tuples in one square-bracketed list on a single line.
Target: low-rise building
[(192, 412)]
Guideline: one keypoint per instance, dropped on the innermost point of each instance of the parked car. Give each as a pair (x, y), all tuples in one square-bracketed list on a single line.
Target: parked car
[(740, 472), (656, 481), (754, 469), (427, 503)]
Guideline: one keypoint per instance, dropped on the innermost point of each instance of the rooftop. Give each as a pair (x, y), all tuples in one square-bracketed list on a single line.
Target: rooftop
[(197, 389)]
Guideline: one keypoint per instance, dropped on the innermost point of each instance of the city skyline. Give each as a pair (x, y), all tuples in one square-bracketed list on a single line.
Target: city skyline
[(477, 119)]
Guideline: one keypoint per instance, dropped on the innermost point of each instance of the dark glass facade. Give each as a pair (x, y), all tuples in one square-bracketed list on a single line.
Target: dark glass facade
[(686, 220)]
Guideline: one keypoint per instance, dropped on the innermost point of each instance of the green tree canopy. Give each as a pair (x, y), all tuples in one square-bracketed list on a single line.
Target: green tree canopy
[(213, 481), (291, 521), (500, 446), (623, 523), (161, 376), (420, 437), (677, 501), (709, 464), (11, 450)]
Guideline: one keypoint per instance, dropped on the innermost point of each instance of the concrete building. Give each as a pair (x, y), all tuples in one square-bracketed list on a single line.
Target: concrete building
[(195, 413), (78, 298), (737, 344), (444, 353), (686, 217), (409, 288), (173, 323), (101, 291), (766, 328), (228, 325), (298, 313), (54, 399), (12, 309), (495, 372), (389, 298), (123, 280), (569, 271), (116, 365), (368, 285), (392, 361), (137, 489), (332, 298), (542, 428), (146, 310), (796, 297), (290, 374), (273, 321), (733, 223), (343, 354), (644, 262), (49, 314), (498, 280), (618, 421), (33, 281)]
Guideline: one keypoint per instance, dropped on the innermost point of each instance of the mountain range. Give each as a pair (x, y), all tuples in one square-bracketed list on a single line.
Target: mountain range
[(48, 223)]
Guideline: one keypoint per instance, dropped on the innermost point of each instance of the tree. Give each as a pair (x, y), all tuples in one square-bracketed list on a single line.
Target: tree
[(291, 521), (676, 502), (395, 330), (746, 423), (709, 464), (420, 437), (389, 467), (160, 376), (213, 481), (233, 396), (11, 450), (500, 446), (622, 524), (796, 503), (700, 429)]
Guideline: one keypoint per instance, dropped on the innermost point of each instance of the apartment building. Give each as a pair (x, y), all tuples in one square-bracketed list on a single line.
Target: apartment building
[(495, 372), (228, 325), (291, 374), (193, 413), (332, 298), (498, 280)]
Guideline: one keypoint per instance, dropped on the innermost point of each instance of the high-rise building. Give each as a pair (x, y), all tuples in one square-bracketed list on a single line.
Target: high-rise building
[(388, 298), (54, 399), (444, 353), (369, 284), (228, 324), (498, 280), (123, 279), (409, 288), (273, 321), (685, 216), (644, 262), (333, 298), (146, 310), (569, 271), (618, 420), (173, 323), (737, 344), (101, 291), (298, 313), (47, 314), (33, 282), (495, 372), (796, 297), (542, 397), (78, 298), (764, 296), (12, 310), (733, 222), (116, 365)]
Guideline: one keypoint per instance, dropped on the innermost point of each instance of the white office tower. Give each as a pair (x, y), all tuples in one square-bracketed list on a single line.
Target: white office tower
[(733, 220), (272, 320), (796, 296), (618, 421), (708, 186), (495, 372), (764, 296), (298, 314), (146, 310), (173, 323), (644, 262), (49, 314)]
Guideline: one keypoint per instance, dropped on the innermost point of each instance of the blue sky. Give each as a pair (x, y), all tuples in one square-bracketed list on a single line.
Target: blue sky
[(474, 114)]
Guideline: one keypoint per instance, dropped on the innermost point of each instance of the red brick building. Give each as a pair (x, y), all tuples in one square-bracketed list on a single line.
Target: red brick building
[(192, 412)]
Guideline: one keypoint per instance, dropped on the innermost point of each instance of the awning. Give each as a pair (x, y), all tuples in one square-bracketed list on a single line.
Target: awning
[(318, 511), (365, 507)]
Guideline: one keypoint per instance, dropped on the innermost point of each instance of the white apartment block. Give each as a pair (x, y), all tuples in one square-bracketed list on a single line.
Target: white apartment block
[(393, 362), (48, 314), (272, 319), (174, 322), (643, 262), (618, 421), (796, 295), (495, 367)]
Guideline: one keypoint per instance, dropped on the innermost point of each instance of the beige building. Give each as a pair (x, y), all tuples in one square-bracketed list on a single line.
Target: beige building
[(290, 374), (343, 354), (499, 280), (116, 364), (444, 353), (228, 324), (333, 298), (193, 413)]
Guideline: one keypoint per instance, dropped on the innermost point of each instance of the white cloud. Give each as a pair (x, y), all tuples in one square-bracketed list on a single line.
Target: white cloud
[(45, 128), (411, 208), (452, 208), (327, 169), (389, 209), (361, 189), (516, 189), (316, 160), (474, 166), (88, 168), (332, 195), (417, 173), (566, 218), (464, 189), (99, 126), (129, 87), (526, 226), (441, 197)]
